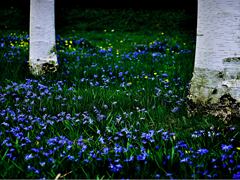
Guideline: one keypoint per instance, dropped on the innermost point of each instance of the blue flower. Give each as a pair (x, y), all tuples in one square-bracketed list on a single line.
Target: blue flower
[(8, 144), (9, 155), (142, 156), (30, 168), (185, 159), (236, 176), (213, 160), (38, 138), (5, 124), (165, 75), (105, 150), (115, 168), (202, 151), (157, 176), (35, 150), (181, 144), (28, 157), (120, 74), (197, 134), (224, 157), (101, 140), (71, 158), (204, 173), (157, 147), (169, 174), (226, 148), (51, 160), (118, 149), (42, 163), (131, 158), (92, 154), (69, 147), (175, 109)]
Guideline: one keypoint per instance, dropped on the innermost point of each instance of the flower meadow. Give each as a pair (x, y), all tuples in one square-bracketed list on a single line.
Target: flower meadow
[(108, 113)]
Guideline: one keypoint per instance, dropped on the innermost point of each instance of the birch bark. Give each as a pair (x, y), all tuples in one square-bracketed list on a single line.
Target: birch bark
[(42, 56), (215, 84)]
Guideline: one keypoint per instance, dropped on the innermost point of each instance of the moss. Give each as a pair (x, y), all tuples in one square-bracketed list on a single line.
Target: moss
[(232, 59), (213, 92), (40, 69), (53, 50), (49, 67), (226, 109)]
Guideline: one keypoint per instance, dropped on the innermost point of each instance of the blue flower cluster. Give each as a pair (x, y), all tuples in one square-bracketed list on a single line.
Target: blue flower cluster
[(93, 117)]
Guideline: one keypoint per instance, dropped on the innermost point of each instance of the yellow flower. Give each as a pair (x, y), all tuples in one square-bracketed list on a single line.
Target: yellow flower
[(25, 43), (66, 42), (146, 77), (238, 148), (155, 74)]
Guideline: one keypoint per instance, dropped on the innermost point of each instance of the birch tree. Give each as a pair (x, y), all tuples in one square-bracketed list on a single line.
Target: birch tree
[(215, 85), (42, 56)]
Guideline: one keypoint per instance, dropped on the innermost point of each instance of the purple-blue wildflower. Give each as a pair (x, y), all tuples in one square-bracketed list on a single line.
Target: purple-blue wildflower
[(236, 176), (115, 167), (28, 157), (202, 151), (226, 148)]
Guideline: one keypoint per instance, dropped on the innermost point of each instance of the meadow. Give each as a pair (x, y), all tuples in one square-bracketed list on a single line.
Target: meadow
[(117, 106)]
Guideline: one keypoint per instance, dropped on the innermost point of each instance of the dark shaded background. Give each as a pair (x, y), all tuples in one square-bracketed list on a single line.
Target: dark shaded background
[(177, 4), (13, 13)]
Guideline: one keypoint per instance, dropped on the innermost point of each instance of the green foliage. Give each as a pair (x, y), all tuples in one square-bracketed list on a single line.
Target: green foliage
[(127, 20), (11, 18)]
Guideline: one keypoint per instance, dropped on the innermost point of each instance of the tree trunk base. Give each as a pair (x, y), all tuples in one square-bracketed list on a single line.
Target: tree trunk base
[(227, 109), (38, 69)]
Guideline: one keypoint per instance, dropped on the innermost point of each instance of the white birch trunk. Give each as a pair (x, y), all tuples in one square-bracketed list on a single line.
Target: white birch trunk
[(42, 56), (216, 74)]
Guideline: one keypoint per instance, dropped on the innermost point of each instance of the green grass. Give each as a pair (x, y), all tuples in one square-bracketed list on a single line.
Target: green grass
[(116, 107)]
